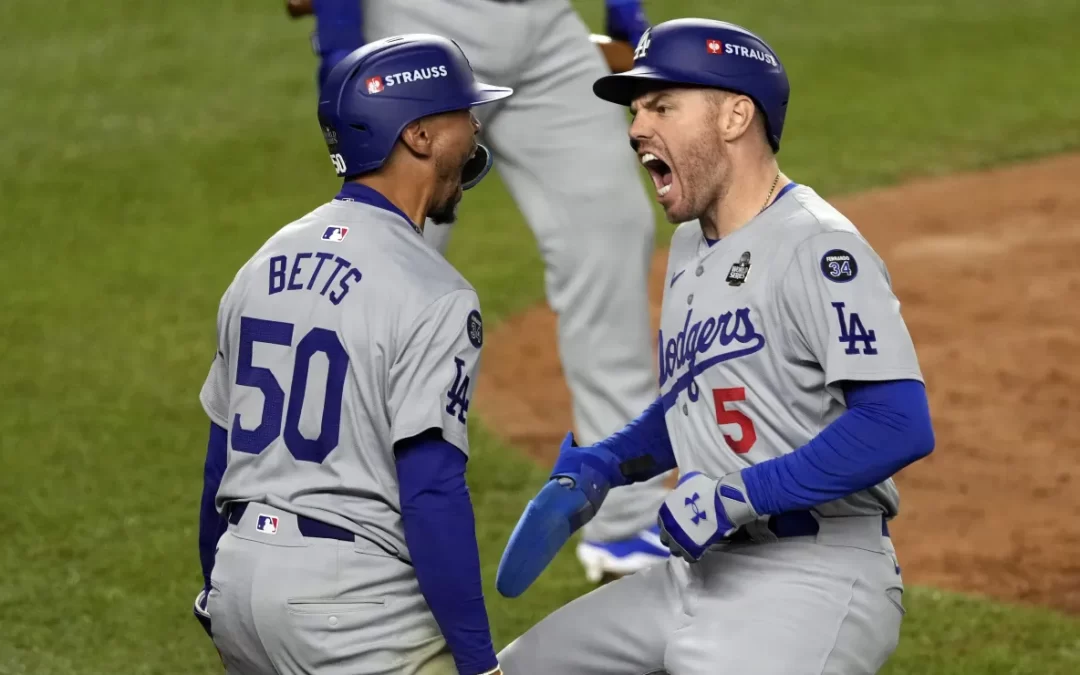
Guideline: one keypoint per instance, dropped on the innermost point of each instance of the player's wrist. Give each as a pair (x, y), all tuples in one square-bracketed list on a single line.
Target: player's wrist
[(733, 497), (488, 665), (599, 460)]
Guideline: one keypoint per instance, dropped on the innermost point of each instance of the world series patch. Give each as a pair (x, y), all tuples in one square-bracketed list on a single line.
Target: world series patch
[(739, 271), (839, 266), (475, 327)]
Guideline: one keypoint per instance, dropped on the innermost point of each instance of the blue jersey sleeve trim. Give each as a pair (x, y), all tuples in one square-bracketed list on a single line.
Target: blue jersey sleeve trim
[(211, 524), (441, 534), (886, 427)]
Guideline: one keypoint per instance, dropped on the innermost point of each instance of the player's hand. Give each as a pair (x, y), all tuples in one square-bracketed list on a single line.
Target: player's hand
[(626, 20), (299, 8), (201, 613), (693, 517)]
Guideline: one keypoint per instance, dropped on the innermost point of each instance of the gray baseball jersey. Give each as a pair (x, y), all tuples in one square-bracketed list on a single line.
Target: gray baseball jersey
[(343, 334), (758, 330), (756, 334)]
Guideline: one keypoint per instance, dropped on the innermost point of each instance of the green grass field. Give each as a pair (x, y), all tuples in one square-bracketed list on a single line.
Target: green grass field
[(149, 148)]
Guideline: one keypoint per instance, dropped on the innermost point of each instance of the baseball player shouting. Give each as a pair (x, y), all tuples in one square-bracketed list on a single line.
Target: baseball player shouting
[(347, 354), (790, 394), (562, 154)]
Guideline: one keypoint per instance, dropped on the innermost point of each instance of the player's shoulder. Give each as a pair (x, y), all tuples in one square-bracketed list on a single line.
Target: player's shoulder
[(809, 214), (813, 230), (805, 220)]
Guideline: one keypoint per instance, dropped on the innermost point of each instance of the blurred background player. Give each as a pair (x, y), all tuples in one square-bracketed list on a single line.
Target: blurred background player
[(564, 158)]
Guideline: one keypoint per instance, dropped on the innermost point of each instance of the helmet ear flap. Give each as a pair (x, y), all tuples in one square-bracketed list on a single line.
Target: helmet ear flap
[(476, 168)]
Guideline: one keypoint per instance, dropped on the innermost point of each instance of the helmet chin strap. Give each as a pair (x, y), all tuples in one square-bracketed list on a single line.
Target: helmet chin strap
[(476, 168)]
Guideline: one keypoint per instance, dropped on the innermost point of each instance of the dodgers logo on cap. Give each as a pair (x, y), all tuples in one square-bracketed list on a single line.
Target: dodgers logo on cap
[(267, 524), (333, 233)]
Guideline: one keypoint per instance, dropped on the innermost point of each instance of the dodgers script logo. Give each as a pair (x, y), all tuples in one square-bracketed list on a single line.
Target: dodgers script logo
[(733, 331)]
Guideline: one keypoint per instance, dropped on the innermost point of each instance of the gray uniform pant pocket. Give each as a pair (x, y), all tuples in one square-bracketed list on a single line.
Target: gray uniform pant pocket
[(364, 636), (322, 608)]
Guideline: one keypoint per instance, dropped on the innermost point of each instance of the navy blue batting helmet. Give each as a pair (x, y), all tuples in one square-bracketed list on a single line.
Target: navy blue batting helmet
[(372, 94), (705, 53)]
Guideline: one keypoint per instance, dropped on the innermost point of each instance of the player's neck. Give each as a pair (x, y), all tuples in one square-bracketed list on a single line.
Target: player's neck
[(748, 193), (403, 193)]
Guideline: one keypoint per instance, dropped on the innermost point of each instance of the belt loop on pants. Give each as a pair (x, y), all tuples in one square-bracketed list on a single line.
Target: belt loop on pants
[(308, 527)]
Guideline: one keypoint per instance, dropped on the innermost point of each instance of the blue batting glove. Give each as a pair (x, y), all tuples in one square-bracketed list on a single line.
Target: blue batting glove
[(701, 511), (573, 459), (570, 499), (201, 613), (626, 20)]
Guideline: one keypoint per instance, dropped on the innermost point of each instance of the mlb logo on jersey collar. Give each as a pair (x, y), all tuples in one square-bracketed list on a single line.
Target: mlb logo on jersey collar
[(333, 233), (267, 524)]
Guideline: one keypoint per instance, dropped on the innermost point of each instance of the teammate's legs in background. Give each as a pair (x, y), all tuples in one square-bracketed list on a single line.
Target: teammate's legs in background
[(566, 159)]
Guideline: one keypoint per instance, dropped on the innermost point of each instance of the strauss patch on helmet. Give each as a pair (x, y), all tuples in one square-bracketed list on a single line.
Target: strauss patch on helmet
[(405, 77), (750, 53)]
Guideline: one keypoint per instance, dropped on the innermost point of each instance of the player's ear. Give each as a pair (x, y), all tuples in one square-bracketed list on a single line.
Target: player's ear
[(418, 137), (739, 113)]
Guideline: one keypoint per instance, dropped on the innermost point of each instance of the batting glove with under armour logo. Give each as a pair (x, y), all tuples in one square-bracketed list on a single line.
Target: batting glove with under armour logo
[(701, 511)]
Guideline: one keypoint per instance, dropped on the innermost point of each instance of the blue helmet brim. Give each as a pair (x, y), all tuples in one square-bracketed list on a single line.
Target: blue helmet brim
[(480, 164), (477, 167), (623, 88), (487, 93)]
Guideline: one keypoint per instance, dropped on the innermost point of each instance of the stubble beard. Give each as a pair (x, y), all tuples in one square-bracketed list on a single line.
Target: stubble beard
[(705, 180), (445, 211)]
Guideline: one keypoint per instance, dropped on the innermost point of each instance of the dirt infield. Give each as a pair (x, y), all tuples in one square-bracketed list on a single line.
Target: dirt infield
[(987, 268)]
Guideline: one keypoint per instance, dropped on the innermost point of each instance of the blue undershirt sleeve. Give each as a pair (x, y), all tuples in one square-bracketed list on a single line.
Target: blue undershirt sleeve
[(339, 31), (211, 524), (886, 427), (441, 534)]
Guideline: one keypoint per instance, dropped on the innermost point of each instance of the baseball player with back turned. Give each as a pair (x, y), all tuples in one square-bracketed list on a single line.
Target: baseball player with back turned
[(790, 394), (562, 154), (347, 354)]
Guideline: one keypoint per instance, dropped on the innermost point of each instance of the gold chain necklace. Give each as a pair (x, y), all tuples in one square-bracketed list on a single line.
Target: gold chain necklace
[(771, 190)]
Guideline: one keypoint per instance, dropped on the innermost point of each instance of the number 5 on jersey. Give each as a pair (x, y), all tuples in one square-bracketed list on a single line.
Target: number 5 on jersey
[(725, 415)]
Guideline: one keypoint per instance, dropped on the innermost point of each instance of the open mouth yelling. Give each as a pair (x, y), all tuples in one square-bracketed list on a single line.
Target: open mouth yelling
[(659, 171)]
